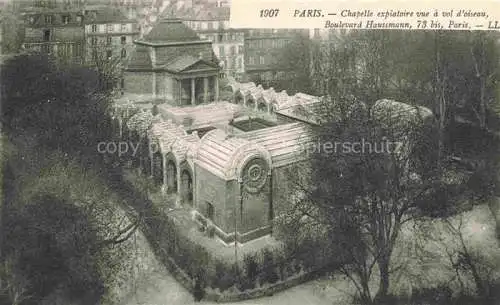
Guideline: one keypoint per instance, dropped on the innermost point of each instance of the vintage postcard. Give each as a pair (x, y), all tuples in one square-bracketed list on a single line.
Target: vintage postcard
[(173, 152)]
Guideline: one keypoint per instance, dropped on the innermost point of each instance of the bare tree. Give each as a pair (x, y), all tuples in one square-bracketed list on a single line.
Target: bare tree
[(108, 66), (364, 197), (467, 261)]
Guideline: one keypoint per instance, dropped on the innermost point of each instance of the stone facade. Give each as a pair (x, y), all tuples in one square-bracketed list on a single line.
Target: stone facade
[(109, 35), (180, 67), (55, 31)]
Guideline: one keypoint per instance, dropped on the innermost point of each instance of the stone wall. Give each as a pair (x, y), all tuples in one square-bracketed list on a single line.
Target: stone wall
[(138, 82), (212, 189)]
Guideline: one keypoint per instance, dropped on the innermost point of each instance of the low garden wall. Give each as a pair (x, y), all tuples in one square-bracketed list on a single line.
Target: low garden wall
[(214, 279)]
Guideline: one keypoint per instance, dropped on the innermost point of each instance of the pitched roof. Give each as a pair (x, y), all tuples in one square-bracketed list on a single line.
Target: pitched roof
[(171, 30), (140, 58), (184, 62), (105, 14)]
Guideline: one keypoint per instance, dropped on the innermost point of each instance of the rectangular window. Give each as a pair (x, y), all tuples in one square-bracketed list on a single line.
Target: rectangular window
[(124, 53), (46, 35), (251, 60), (221, 51), (48, 19), (198, 26), (233, 50), (93, 41), (94, 28), (110, 28), (109, 40), (65, 19), (210, 25), (220, 38), (109, 54), (262, 60), (123, 39), (240, 49), (124, 28)]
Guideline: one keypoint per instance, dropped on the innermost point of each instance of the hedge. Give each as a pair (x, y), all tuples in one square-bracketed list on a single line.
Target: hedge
[(195, 267)]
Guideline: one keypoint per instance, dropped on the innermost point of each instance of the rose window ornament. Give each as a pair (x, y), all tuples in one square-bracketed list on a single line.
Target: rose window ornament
[(255, 175)]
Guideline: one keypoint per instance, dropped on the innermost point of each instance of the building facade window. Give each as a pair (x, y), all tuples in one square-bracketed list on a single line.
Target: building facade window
[(93, 41), (251, 60), (262, 60), (240, 49), (124, 28), (109, 27), (48, 19), (94, 28), (220, 38), (124, 53), (65, 19), (210, 25), (240, 63), (221, 51), (46, 35), (109, 40), (109, 54), (123, 39)]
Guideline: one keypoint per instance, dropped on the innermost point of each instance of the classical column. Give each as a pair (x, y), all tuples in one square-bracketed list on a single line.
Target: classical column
[(216, 88), (205, 89), (193, 92), (154, 84), (180, 92)]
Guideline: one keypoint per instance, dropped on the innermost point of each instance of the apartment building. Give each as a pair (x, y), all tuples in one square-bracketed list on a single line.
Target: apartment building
[(211, 22), (109, 34), (55, 30), (262, 50)]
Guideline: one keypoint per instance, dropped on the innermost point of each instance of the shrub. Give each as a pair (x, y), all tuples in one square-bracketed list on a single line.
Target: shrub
[(268, 274), (226, 277), (251, 272)]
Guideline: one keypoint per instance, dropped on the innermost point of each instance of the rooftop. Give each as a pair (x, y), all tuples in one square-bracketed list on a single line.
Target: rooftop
[(225, 154), (170, 30), (104, 15)]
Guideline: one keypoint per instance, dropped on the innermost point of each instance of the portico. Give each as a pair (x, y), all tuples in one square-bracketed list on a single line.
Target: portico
[(173, 64)]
